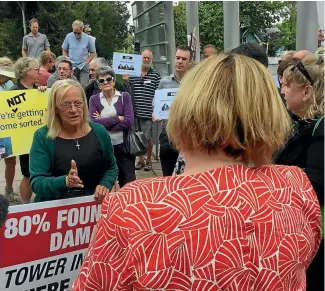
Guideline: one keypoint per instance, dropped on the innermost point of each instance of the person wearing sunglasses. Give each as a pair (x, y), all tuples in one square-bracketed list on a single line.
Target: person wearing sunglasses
[(93, 86), (70, 156), (303, 87), (27, 72), (79, 47), (114, 110)]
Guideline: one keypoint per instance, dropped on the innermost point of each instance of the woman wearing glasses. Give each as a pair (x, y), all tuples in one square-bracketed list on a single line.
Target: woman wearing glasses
[(71, 156), (303, 87), (114, 110), (27, 72)]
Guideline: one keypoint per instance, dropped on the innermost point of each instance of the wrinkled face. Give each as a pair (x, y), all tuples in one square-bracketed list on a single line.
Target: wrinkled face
[(295, 97), (71, 108), (33, 74), (34, 28), (77, 30), (146, 59), (64, 71), (182, 61), (93, 67), (208, 52), (106, 82)]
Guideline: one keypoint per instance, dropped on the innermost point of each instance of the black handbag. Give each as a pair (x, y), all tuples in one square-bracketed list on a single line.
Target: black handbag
[(136, 143)]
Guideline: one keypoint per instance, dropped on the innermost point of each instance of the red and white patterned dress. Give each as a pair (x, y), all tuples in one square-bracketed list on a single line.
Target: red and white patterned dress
[(233, 228)]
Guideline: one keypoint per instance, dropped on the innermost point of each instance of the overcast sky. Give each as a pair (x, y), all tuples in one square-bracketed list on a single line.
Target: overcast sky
[(130, 10)]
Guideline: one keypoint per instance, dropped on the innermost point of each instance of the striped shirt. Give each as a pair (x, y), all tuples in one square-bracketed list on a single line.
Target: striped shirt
[(144, 91)]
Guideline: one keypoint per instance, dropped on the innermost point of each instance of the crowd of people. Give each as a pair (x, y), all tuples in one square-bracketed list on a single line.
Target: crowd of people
[(242, 158)]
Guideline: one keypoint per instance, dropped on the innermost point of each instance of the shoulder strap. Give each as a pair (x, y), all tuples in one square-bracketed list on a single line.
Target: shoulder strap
[(317, 124)]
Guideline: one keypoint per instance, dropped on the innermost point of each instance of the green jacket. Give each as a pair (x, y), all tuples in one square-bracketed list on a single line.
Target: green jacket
[(41, 161)]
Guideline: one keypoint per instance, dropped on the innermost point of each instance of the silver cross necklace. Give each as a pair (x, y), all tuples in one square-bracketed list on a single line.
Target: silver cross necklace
[(77, 143)]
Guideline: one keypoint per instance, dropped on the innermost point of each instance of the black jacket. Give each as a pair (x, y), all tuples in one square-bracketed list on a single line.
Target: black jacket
[(306, 150)]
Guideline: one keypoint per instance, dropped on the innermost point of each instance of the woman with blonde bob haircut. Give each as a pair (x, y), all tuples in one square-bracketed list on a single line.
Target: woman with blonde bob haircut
[(71, 156), (220, 221)]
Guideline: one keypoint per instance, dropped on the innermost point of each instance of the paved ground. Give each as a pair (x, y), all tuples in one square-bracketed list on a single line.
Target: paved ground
[(156, 171)]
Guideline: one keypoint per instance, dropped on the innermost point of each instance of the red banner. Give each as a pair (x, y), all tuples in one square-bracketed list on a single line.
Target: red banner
[(44, 243)]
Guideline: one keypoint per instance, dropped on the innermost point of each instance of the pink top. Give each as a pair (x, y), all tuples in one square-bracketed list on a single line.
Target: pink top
[(44, 76), (232, 228)]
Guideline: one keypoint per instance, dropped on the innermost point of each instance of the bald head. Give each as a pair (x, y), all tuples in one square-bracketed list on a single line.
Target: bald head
[(302, 54)]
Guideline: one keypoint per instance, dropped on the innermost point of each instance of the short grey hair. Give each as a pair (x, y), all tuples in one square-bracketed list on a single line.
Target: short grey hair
[(78, 23), (210, 46), (59, 60), (105, 71), (100, 62), (23, 65)]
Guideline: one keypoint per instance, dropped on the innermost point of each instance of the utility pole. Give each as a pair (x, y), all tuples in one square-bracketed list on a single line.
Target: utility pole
[(170, 34), (231, 24), (192, 15), (307, 25)]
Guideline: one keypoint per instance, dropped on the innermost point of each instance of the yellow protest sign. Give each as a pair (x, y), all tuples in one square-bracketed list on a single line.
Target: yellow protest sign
[(22, 112)]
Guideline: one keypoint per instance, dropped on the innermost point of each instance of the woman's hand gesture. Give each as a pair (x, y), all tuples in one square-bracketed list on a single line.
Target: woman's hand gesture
[(73, 180)]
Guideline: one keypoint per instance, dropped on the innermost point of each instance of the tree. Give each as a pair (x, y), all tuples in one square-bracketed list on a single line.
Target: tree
[(255, 15), (180, 24), (107, 19), (288, 26)]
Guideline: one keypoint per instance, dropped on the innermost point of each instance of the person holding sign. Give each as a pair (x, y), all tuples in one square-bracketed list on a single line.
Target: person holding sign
[(6, 75), (71, 156), (143, 93), (221, 225), (114, 110), (168, 155), (27, 71)]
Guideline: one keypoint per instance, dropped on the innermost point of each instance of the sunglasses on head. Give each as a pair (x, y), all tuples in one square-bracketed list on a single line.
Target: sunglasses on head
[(108, 79), (301, 68)]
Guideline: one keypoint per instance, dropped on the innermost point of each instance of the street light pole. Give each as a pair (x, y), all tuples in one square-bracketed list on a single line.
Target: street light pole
[(192, 15), (231, 27), (307, 24)]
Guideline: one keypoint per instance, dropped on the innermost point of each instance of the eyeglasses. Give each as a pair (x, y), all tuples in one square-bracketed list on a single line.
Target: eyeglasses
[(36, 69), (108, 79), (68, 105), (301, 68)]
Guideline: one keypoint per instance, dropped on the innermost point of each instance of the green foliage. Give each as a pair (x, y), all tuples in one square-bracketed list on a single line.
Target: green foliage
[(107, 19), (256, 15), (180, 24), (288, 27)]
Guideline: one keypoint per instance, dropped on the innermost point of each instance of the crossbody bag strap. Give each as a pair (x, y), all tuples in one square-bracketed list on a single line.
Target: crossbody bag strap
[(317, 124)]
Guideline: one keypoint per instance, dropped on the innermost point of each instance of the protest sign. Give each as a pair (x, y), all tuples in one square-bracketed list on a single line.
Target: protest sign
[(22, 112), (162, 102), (42, 245), (127, 64)]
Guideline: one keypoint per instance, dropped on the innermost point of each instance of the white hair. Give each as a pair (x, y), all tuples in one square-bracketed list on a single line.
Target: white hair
[(24, 65), (78, 23)]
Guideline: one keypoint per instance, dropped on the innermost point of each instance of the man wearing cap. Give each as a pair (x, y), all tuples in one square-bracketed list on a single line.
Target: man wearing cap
[(78, 46), (34, 43), (93, 39)]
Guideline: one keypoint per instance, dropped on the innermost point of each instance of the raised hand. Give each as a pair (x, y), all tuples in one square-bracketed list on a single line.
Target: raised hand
[(73, 180)]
